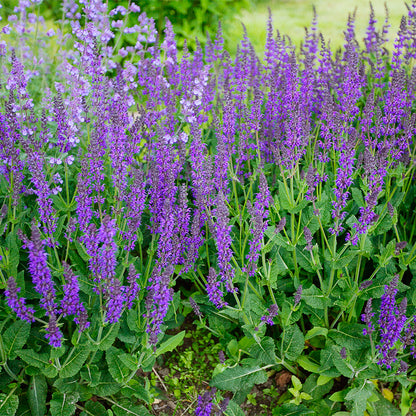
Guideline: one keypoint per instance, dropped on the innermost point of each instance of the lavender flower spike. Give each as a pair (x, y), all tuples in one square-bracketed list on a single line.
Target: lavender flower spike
[(271, 313), (391, 322), (41, 275), (205, 404), (18, 304), (366, 318)]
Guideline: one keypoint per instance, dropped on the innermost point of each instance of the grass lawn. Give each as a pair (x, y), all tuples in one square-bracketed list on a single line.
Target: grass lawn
[(290, 17)]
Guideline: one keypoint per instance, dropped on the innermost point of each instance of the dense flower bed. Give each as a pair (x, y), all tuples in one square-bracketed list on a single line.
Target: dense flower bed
[(274, 197)]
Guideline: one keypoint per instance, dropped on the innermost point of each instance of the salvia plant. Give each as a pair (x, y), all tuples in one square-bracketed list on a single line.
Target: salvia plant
[(274, 197)]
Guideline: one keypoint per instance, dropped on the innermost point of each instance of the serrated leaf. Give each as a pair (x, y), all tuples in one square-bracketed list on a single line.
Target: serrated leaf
[(383, 407), (264, 353), (233, 409), (91, 374), (134, 388), (94, 409), (345, 260), (63, 404), (15, 337), (107, 386), (170, 344), (129, 361), (239, 378), (110, 336), (36, 395), (293, 342), (8, 404), (359, 396), (126, 408), (115, 366), (350, 336), (34, 359), (74, 361), (314, 297)]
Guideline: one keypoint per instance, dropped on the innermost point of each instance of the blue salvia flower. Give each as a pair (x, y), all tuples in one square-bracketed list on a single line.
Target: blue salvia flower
[(366, 318), (271, 313), (214, 291), (71, 303), (391, 322), (18, 304), (223, 241), (40, 272), (259, 214), (205, 404)]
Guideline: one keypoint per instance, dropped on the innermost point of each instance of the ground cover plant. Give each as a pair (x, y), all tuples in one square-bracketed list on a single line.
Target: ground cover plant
[(271, 199)]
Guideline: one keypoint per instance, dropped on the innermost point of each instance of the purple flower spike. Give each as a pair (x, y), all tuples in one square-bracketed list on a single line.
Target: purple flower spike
[(41, 275), (205, 404), (214, 291), (71, 304), (298, 295), (18, 304), (195, 308), (271, 313), (391, 322), (53, 333), (366, 318)]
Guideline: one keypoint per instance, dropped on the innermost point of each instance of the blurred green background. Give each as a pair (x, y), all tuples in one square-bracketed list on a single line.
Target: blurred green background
[(290, 17), (194, 18)]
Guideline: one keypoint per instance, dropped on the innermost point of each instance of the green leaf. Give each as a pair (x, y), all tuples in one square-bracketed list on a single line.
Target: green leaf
[(8, 404), (338, 396), (127, 408), (239, 378), (316, 390), (314, 297), (107, 386), (36, 395), (308, 364), (108, 339), (115, 366), (357, 196), (130, 361), (233, 409), (81, 251), (94, 409), (297, 384), (34, 359), (340, 363), (15, 337), (136, 389), (316, 331), (66, 385), (170, 344), (283, 197), (63, 404), (264, 353), (291, 409), (14, 255), (322, 380), (91, 374), (76, 358), (344, 261), (293, 342), (359, 396), (383, 407), (350, 336)]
